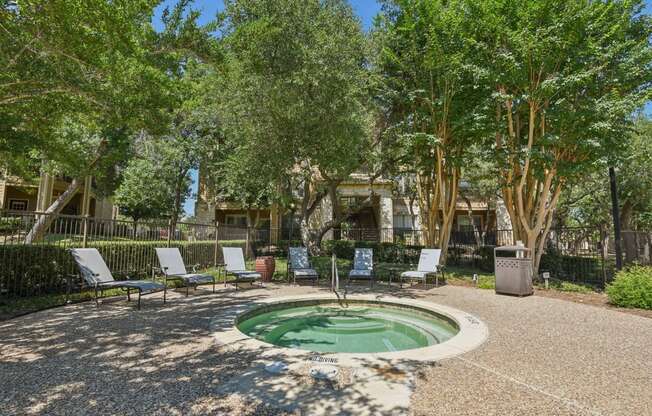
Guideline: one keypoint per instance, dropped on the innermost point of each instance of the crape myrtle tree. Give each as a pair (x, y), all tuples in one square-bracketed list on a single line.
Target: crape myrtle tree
[(566, 78), (97, 65), (433, 94), (292, 98)]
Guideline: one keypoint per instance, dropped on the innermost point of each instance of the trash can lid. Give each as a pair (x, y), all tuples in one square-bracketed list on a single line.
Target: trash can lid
[(512, 248)]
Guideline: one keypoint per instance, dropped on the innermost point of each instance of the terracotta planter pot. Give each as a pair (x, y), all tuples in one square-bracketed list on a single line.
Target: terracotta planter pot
[(266, 266)]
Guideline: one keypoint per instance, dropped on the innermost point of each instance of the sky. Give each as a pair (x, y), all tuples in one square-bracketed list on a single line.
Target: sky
[(365, 9)]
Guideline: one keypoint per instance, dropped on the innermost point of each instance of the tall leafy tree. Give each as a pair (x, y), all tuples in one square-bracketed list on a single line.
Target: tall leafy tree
[(292, 99), (566, 79), (97, 64), (583, 204), (434, 92)]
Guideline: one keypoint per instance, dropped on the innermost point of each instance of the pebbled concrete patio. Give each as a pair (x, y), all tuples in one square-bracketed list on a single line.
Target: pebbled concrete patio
[(543, 357)]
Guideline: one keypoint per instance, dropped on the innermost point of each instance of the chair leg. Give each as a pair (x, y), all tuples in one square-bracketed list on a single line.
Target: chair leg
[(97, 302), (139, 293), (165, 290), (187, 289), (128, 295), (213, 284)]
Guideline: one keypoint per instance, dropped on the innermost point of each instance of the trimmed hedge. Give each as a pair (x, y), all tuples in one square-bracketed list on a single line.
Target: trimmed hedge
[(383, 252), (632, 288), (40, 269)]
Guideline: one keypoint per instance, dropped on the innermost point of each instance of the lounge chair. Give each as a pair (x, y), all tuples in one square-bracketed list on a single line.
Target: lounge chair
[(235, 265), (428, 265), (363, 266), (299, 266), (173, 268), (95, 272)]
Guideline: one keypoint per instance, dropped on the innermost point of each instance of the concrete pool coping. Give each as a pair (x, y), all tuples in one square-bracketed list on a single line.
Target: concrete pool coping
[(473, 333)]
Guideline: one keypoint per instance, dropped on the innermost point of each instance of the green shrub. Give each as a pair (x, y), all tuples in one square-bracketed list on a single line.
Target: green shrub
[(383, 252), (29, 270), (486, 255), (632, 288), (12, 225)]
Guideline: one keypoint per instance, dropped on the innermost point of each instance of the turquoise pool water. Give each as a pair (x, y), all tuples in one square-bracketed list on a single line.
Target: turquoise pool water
[(357, 328)]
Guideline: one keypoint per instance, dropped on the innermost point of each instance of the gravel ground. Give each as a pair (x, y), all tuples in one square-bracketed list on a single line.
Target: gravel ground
[(543, 357)]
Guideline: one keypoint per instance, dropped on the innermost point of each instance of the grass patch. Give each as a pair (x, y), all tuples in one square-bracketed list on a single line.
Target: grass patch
[(564, 286), (464, 276)]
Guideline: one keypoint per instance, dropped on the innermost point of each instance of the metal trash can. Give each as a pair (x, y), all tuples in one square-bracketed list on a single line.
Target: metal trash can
[(513, 273)]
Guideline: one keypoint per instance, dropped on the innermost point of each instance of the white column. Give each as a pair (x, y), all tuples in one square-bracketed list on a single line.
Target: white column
[(3, 186), (44, 196), (386, 219)]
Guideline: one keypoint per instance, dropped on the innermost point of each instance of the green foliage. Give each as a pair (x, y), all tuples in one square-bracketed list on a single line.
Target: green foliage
[(632, 288), (486, 254), (30, 270), (77, 78), (146, 190), (383, 252), (565, 267), (10, 225), (430, 79), (584, 203), (564, 286), (290, 96)]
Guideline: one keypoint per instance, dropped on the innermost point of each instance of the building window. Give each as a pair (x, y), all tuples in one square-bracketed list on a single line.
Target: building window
[(235, 220), (464, 223), (18, 205), (404, 221)]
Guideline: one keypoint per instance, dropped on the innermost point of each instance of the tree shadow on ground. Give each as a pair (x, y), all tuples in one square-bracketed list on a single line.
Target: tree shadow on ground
[(163, 359)]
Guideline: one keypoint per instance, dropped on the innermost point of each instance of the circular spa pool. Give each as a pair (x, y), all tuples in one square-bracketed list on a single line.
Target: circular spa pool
[(358, 327)]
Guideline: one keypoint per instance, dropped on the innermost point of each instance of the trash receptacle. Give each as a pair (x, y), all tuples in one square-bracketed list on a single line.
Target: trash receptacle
[(513, 272)]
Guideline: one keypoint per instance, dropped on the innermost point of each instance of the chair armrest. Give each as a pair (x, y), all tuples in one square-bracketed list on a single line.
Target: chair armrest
[(195, 267)]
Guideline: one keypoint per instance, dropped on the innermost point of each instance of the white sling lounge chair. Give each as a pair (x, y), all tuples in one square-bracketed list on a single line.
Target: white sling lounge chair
[(299, 266), (428, 265), (173, 268), (95, 272), (235, 265), (363, 266)]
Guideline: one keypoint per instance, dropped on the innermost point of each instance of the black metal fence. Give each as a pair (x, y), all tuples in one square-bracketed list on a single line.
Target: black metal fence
[(45, 266)]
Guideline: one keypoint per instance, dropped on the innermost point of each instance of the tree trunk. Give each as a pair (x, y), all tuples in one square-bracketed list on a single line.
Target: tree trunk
[(44, 221), (626, 215), (437, 196), (176, 211), (312, 237)]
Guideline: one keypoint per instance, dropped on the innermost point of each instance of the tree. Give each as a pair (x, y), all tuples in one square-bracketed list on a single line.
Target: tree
[(97, 63), (583, 203), (434, 92), (566, 77), (146, 192), (291, 100)]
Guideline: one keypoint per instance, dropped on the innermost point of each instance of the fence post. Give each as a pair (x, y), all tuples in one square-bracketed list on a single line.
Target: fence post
[(615, 213), (603, 250), (215, 251), (247, 242), (169, 231), (84, 231)]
